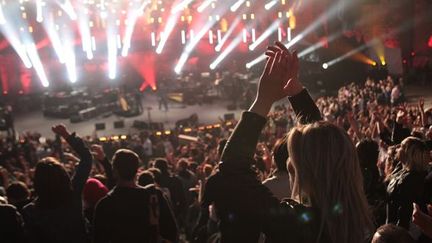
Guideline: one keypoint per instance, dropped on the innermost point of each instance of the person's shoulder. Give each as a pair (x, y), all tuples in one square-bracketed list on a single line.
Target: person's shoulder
[(7, 209)]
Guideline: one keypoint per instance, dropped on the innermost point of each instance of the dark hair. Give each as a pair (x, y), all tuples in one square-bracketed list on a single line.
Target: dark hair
[(162, 165), (17, 192), (146, 178), (390, 233), (280, 154), (125, 163), (367, 151), (156, 175), (51, 183)]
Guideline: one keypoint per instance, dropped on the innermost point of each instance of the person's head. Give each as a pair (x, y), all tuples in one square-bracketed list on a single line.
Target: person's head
[(51, 183), (280, 155), (125, 164), (367, 151), (162, 165), (414, 154), (157, 175), (390, 233), (17, 192), (93, 191), (325, 173), (182, 165), (146, 178)]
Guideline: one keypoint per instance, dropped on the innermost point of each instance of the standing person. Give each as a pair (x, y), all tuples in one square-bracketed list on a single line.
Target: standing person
[(328, 203), (279, 182), (56, 215), (406, 185), (128, 213), (175, 187)]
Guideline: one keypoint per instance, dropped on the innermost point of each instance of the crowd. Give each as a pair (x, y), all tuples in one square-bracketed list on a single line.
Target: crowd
[(350, 168)]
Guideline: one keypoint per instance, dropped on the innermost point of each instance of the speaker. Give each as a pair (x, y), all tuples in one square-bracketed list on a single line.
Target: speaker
[(140, 125), (119, 124), (229, 116), (100, 126)]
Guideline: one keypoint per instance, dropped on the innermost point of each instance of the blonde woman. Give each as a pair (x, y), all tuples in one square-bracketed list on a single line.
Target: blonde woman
[(329, 203), (406, 185)]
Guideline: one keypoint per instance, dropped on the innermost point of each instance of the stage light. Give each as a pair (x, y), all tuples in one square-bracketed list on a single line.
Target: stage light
[(183, 58), (69, 9), (270, 4), (112, 54), (211, 37), (319, 45), (244, 35), (227, 34), (183, 37), (2, 17), (325, 66), (226, 52), (153, 39), (172, 21), (273, 27), (55, 40), (374, 64), (179, 7), (204, 5), (257, 60), (253, 35), (237, 5), (39, 17), (355, 51), (70, 62), (37, 64), (133, 16), (12, 37)]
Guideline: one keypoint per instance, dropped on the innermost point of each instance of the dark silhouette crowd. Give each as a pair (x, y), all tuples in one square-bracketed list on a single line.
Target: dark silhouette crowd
[(353, 168)]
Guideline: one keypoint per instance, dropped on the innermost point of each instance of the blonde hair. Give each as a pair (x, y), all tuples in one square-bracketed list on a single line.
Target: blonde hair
[(328, 177), (414, 154)]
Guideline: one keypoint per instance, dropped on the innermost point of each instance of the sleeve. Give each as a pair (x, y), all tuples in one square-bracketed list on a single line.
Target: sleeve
[(84, 167), (305, 108), (100, 223)]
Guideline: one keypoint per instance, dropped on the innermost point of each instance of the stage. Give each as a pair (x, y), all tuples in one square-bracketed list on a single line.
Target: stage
[(207, 113)]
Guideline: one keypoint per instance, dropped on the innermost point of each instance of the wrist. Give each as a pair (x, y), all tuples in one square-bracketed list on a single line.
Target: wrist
[(296, 89), (261, 106)]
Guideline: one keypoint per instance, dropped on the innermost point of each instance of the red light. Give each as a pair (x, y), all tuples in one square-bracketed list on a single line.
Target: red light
[(412, 53), (404, 61), (430, 42)]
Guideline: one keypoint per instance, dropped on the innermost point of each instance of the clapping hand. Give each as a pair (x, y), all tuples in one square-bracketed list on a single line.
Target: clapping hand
[(278, 80), (61, 130)]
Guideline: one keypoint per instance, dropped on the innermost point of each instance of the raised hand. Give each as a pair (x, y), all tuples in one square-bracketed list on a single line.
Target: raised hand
[(98, 152), (278, 80), (60, 130), (292, 86)]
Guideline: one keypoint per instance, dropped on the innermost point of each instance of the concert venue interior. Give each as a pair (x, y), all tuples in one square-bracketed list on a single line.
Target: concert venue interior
[(199, 121)]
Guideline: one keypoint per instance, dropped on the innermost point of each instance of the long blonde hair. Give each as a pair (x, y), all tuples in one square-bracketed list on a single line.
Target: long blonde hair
[(327, 175)]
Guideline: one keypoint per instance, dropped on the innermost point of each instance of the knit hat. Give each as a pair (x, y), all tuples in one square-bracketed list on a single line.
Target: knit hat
[(93, 191)]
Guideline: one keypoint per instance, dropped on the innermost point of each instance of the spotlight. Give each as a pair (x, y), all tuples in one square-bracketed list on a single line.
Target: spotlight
[(237, 5), (325, 66), (265, 35), (226, 52), (270, 4)]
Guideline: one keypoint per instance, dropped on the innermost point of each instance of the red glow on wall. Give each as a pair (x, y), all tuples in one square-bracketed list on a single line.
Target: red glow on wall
[(4, 79), (430, 42), (25, 79)]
